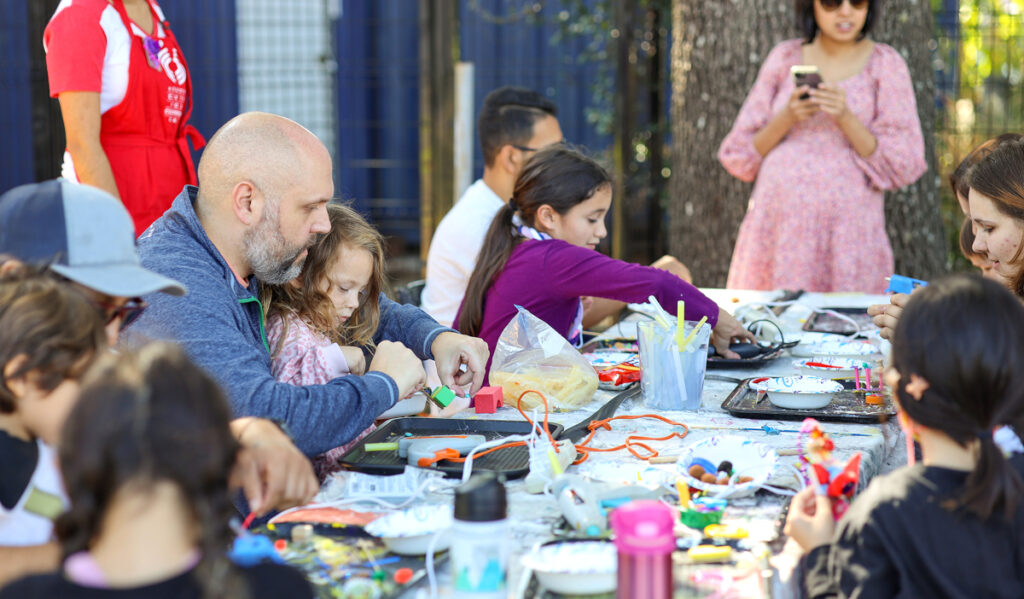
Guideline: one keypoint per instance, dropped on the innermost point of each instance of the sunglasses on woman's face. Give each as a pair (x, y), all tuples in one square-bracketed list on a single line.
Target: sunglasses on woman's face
[(127, 311), (831, 5)]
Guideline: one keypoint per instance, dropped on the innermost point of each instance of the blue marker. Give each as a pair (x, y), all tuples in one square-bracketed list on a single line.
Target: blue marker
[(902, 284)]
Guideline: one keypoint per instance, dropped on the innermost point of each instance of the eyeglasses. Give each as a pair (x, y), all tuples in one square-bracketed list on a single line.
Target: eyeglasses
[(127, 311), (831, 5)]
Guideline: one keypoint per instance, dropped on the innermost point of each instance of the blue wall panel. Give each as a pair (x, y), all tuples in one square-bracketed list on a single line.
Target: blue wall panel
[(16, 161), (521, 53), (206, 32)]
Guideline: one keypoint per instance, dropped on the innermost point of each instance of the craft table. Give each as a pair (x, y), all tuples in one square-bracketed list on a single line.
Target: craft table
[(533, 517)]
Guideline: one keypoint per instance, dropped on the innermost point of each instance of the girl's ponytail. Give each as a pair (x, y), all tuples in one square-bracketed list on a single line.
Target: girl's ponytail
[(494, 253)]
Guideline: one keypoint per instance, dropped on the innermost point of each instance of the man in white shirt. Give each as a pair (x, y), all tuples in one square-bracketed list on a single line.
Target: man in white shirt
[(514, 123)]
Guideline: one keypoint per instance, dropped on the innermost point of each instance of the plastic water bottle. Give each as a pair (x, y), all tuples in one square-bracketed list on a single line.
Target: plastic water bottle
[(644, 539), (479, 546)]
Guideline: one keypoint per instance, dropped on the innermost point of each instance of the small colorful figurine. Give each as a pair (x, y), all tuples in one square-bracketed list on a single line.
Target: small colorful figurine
[(830, 477)]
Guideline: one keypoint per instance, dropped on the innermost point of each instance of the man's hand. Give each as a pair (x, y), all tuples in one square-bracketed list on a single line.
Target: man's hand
[(810, 521), (885, 316), (272, 472), (398, 362), (728, 329), (452, 351)]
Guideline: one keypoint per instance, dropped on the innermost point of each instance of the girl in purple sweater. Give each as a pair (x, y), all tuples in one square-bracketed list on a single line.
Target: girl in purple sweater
[(539, 253)]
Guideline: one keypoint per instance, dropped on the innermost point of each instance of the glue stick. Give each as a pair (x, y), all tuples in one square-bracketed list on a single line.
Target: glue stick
[(479, 546)]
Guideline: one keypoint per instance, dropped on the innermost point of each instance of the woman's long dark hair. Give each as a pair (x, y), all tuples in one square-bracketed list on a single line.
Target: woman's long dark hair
[(999, 176), (964, 335), (145, 417), (808, 26), (559, 176)]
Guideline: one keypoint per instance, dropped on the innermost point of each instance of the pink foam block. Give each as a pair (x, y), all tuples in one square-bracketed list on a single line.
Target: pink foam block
[(487, 400)]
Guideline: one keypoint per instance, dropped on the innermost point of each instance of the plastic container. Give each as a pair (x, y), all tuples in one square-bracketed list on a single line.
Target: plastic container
[(645, 541), (672, 379), (479, 539)]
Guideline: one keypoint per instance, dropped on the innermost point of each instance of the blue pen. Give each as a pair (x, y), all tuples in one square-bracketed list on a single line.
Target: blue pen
[(902, 284)]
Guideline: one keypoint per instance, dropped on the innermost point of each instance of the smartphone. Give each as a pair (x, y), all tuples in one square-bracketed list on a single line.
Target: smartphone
[(805, 74)]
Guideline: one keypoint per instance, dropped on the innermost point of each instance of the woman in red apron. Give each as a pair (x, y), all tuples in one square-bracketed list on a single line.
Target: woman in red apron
[(130, 137)]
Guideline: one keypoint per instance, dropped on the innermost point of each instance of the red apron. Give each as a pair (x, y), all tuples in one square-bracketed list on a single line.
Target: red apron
[(145, 136)]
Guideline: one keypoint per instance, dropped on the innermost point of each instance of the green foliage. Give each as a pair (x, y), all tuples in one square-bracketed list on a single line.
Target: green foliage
[(983, 66)]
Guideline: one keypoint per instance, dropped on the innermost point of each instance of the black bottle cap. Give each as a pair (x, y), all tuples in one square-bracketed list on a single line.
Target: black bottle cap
[(482, 499)]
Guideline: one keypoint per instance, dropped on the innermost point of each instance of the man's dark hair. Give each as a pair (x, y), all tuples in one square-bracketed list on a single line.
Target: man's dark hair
[(809, 27), (507, 117)]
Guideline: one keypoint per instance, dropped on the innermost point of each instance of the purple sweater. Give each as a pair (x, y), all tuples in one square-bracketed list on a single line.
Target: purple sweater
[(548, 278)]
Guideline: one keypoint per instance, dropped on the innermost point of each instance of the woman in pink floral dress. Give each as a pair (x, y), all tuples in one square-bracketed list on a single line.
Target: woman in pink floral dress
[(822, 157)]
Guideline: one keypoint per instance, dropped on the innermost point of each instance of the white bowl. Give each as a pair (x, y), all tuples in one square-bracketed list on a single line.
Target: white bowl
[(835, 348), (575, 568), (409, 532), (749, 458), (831, 367), (798, 392)]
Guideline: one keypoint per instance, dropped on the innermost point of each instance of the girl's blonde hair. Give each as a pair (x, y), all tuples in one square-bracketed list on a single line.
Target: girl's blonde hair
[(304, 298)]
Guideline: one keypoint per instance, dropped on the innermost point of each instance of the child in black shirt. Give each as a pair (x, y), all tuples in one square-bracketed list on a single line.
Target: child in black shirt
[(146, 453), (953, 525)]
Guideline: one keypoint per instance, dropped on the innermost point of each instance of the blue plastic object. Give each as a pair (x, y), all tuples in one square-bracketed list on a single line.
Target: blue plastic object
[(249, 550), (902, 284)]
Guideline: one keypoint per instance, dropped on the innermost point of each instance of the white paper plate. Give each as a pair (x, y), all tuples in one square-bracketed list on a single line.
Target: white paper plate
[(749, 458), (798, 392), (831, 367), (852, 349), (575, 568), (409, 532)]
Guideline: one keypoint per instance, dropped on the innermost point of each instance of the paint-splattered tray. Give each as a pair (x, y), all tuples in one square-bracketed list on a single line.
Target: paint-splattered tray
[(847, 406), (824, 322)]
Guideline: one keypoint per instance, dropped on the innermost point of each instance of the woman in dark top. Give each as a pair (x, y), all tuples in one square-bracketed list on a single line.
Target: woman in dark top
[(952, 526), (146, 454)]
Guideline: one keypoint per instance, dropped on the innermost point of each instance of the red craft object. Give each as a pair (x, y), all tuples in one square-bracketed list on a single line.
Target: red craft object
[(487, 400)]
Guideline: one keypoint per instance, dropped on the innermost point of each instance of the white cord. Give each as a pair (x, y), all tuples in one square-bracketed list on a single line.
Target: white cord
[(428, 564), (417, 493)]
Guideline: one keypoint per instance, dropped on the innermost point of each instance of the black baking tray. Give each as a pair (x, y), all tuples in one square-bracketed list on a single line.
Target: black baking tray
[(513, 462), (822, 322), (847, 406)]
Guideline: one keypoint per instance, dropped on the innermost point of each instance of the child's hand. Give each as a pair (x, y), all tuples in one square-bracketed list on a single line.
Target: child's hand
[(355, 358), (810, 522), (886, 316), (726, 330), (398, 362)]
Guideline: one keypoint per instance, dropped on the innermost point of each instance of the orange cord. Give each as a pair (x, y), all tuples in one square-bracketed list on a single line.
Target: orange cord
[(632, 441)]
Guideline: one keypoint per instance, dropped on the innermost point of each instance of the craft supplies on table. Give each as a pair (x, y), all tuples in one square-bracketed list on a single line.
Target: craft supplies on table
[(673, 373)]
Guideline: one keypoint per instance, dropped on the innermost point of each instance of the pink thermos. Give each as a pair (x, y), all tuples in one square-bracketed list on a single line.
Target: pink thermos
[(644, 539)]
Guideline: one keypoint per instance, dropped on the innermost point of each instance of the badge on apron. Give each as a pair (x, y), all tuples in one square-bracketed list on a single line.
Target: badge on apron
[(152, 48)]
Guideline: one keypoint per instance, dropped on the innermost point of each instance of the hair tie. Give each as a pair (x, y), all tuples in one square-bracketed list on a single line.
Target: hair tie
[(512, 203), (985, 434)]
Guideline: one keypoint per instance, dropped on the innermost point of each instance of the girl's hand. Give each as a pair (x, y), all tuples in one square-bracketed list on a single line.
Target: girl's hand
[(810, 521), (727, 329), (801, 109), (830, 99), (355, 358)]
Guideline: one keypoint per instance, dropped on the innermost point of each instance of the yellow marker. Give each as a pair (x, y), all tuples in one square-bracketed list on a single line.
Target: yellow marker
[(693, 333), (710, 553), (725, 531), (684, 493)]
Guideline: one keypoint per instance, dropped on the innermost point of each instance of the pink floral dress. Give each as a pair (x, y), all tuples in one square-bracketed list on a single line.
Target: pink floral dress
[(306, 357), (815, 219)]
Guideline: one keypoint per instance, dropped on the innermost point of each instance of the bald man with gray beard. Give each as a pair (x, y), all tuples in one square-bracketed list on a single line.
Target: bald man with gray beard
[(264, 185)]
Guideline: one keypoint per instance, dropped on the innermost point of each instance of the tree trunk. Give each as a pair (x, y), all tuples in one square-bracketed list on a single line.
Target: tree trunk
[(912, 215), (717, 50)]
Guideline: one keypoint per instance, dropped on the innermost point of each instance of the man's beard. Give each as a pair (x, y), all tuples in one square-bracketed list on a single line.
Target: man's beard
[(272, 259)]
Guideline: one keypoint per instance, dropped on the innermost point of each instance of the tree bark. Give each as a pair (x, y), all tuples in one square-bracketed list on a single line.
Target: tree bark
[(717, 50)]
